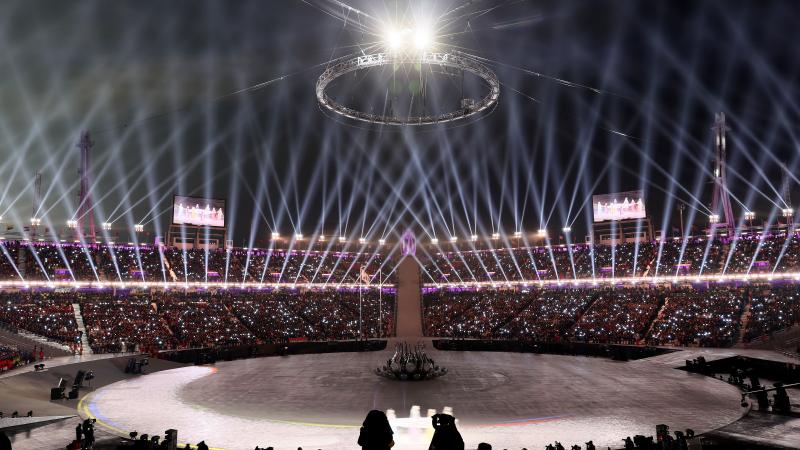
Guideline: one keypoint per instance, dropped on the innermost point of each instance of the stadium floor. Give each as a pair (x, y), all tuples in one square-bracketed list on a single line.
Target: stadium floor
[(510, 400)]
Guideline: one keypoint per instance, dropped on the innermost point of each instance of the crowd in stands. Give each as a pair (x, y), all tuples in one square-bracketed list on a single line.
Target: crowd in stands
[(773, 309), (118, 321), (684, 315), (65, 261), (47, 314), (675, 314), (121, 323), (96, 262), (709, 318), (618, 316), (671, 314), (750, 254)]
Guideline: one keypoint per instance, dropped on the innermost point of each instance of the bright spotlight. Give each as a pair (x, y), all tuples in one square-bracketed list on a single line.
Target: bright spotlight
[(393, 38), (423, 38), (72, 224), (362, 241), (298, 236), (35, 221), (106, 226), (713, 218), (542, 232), (495, 236), (566, 229), (275, 235), (749, 215), (381, 241), (788, 212), (474, 238), (322, 238), (517, 234), (342, 239), (454, 239), (138, 228), (434, 241)]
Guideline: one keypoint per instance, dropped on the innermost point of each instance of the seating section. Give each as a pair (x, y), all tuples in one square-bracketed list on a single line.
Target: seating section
[(750, 254), (163, 320), (704, 315), (47, 314), (95, 262)]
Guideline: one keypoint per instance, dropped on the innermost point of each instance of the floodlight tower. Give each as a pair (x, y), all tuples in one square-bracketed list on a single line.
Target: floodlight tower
[(37, 194), (786, 189), (37, 202), (85, 207), (786, 193), (720, 198)]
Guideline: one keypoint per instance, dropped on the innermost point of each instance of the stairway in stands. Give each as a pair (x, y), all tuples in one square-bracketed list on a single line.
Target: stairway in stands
[(744, 319), (87, 350), (664, 303), (569, 330)]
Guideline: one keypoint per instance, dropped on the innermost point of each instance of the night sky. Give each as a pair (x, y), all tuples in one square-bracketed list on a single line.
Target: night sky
[(154, 83)]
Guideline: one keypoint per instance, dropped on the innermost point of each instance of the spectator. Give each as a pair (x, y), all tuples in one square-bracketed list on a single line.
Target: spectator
[(445, 434), (376, 433)]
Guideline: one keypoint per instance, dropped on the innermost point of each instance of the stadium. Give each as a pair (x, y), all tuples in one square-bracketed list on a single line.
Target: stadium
[(406, 224)]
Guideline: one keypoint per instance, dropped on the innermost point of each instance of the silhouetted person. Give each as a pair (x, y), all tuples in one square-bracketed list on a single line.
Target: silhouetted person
[(88, 433), (5, 442), (629, 443), (590, 445), (680, 441), (445, 434), (484, 446), (202, 446), (78, 433), (376, 433)]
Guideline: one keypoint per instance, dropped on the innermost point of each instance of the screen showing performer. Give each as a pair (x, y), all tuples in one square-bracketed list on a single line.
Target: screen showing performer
[(620, 206), (198, 211)]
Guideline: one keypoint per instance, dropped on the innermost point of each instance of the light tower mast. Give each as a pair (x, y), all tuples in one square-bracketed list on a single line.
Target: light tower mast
[(37, 203), (720, 198), (786, 190), (37, 194), (85, 207)]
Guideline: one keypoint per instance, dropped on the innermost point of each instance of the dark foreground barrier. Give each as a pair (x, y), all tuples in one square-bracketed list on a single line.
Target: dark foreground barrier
[(615, 352), (211, 355)]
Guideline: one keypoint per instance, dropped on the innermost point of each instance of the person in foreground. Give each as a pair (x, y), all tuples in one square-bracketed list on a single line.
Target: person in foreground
[(5, 442), (376, 433), (445, 435)]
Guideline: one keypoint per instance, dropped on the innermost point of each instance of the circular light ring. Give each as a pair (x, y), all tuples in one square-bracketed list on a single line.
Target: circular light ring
[(453, 59)]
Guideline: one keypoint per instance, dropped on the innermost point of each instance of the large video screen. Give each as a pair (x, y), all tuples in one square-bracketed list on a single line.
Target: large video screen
[(619, 206), (198, 211)]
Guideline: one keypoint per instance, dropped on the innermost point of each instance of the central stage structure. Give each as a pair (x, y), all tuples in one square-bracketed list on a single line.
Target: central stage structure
[(409, 301)]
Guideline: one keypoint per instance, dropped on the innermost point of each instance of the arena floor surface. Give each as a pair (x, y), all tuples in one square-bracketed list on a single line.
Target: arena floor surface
[(508, 399)]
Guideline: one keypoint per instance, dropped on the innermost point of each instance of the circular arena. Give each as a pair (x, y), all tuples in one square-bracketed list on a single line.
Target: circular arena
[(512, 400)]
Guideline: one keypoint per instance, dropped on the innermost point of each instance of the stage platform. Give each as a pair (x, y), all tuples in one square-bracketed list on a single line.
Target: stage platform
[(510, 400)]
